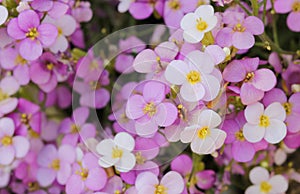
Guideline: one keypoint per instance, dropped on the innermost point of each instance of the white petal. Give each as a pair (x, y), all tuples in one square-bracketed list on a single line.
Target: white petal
[(201, 60), (173, 182), (192, 92), (253, 133), (67, 24), (3, 14), (275, 111), (218, 136), (188, 134), (145, 179), (192, 35), (61, 44), (105, 147), (279, 184), (203, 146), (212, 22), (212, 87), (107, 161), (254, 189), (258, 174), (176, 72), (126, 163), (253, 112), (188, 21), (275, 132), (124, 140), (280, 157), (209, 118), (9, 85), (124, 5), (205, 11)]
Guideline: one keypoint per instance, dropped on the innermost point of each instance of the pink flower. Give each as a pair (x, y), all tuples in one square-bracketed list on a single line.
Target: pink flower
[(11, 146), (265, 123), (171, 183), (142, 9), (292, 6), (149, 109), (255, 82), (55, 164), (264, 184), (55, 9), (239, 30), (86, 174), (33, 35)]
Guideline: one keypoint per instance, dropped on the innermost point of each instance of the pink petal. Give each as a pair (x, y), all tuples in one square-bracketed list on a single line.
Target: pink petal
[(216, 52), (135, 106), (75, 185), (254, 25), (243, 151), (50, 85), (274, 95), (234, 72), (21, 73), (140, 10), (28, 19), (295, 101), (80, 115), (166, 50), (224, 37), (47, 155), (30, 49), (166, 114), (64, 173), (59, 9), (249, 94), (87, 131), (293, 21), (21, 145), (250, 64), (47, 34), (67, 153), (145, 61), (9, 85), (45, 176), (264, 79), (7, 127), (96, 179), (243, 40), (14, 30), (42, 5), (38, 74), (154, 92), (283, 6)]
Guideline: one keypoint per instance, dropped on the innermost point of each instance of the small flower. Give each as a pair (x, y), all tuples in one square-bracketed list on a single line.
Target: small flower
[(124, 5), (3, 14), (196, 24), (205, 138), (264, 184), (149, 110), (171, 183), (11, 146), (293, 8), (32, 35), (117, 152), (265, 123), (8, 87), (142, 9), (195, 77), (55, 164)]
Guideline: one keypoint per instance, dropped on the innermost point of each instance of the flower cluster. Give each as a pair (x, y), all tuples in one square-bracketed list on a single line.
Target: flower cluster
[(216, 101)]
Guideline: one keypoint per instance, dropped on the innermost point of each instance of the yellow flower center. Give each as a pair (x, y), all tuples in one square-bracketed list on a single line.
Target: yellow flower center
[(50, 66), (117, 192), (25, 118), (239, 135), (94, 65), (150, 109), (117, 153), (174, 4), (203, 132), (6, 141), (33, 133), (288, 108), (265, 187), (60, 31), (249, 77), (94, 85), (201, 25), (239, 28), (84, 173), (32, 33), (20, 60), (3, 95), (160, 189), (296, 6), (55, 165), (33, 186), (201, 2), (193, 77), (75, 128), (139, 158), (264, 121), (182, 112)]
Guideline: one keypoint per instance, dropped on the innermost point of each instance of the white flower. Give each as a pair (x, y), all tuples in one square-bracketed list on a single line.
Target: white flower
[(195, 74), (267, 124), (265, 184), (205, 138), (3, 14), (117, 152), (281, 153), (196, 24), (66, 26)]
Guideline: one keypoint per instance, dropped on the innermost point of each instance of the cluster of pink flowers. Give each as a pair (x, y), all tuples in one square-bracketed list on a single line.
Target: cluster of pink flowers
[(208, 107)]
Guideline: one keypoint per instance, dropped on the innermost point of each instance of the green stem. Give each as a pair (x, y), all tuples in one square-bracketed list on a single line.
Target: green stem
[(255, 7), (243, 7), (196, 160), (265, 11)]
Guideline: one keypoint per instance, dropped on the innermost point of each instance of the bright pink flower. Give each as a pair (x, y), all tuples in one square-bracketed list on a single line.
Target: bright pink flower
[(33, 35), (55, 9), (55, 164), (11, 146), (142, 9), (255, 81), (149, 109)]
